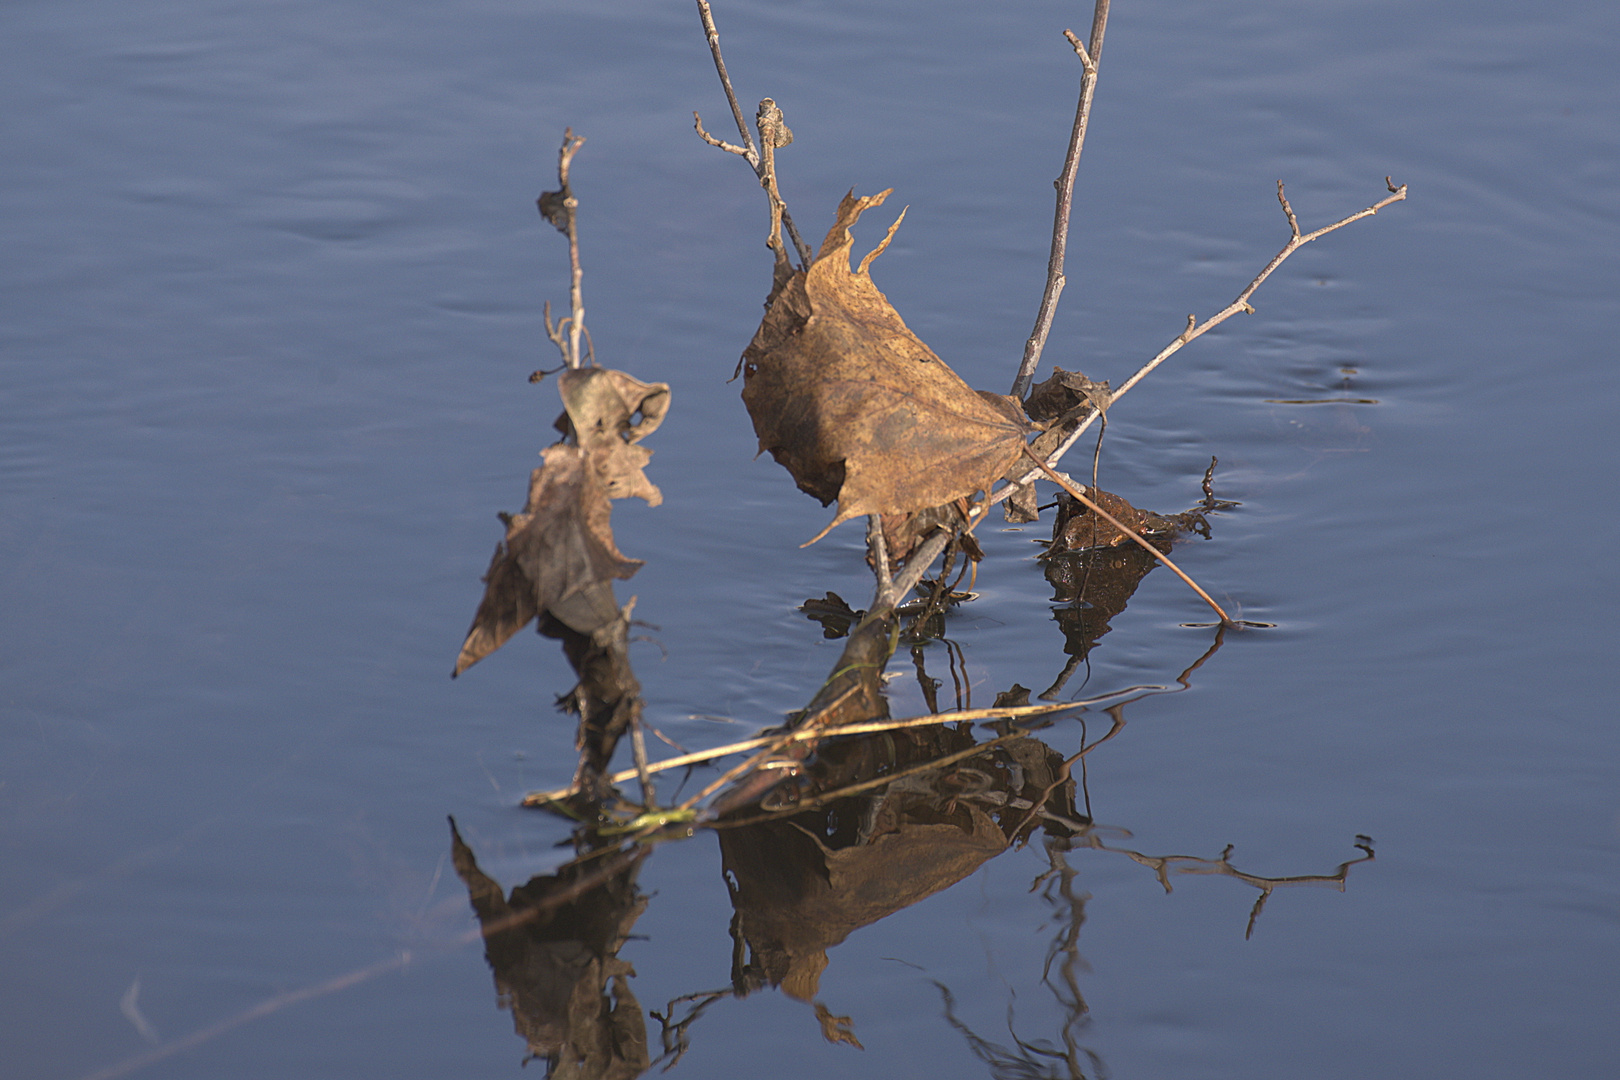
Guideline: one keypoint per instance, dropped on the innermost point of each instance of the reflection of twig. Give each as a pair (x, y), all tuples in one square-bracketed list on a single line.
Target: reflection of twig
[(771, 131), (1023, 1064), (1195, 329), (1065, 200), (1071, 914), (264, 1008), (1161, 866), (675, 1037)]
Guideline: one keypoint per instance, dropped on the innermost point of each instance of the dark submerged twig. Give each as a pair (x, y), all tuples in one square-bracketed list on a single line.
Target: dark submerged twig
[(1195, 329), (1065, 200)]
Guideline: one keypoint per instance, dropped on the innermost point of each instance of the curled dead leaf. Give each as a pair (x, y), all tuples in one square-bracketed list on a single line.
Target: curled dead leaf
[(856, 406), (600, 406), (559, 555)]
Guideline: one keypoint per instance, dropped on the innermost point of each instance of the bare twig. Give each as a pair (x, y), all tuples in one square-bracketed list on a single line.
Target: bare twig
[(1195, 329), (1077, 494), (561, 209), (1065, 200), (762, 163), (713, 34)]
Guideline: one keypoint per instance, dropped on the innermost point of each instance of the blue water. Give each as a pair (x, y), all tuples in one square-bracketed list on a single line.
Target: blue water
[(271, 293)]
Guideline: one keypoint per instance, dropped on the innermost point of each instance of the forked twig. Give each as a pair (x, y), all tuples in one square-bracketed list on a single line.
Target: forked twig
[(1078, 495), (763, 164), (1065, 201), (1195, 329), (1161, 866)]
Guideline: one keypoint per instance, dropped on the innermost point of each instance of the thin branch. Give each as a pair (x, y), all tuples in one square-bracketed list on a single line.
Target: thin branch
[(1195, 329), (697, 122), (1065, 200), (1011, 712), (1076, 493), (761, 159), (713, 34), (556, 334), (562, 210)]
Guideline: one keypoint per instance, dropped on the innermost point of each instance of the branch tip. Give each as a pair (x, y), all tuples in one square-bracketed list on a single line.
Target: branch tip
[(1293, 222), (1036, 343), (1079, 49), (697, 124)]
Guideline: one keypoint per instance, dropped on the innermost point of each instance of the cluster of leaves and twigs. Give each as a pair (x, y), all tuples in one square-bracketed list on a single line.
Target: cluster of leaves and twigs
[(842, 815), (862, 413)]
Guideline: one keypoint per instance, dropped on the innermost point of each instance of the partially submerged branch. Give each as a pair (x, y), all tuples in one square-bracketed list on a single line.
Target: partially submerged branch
[(777, 741), (1196, 329), (1065, 200)]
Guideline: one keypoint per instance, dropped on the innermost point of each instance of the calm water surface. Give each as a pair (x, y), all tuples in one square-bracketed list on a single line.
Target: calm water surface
[(272, 290)]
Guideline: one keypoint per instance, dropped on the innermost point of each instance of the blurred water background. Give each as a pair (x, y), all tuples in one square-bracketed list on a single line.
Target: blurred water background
[(271, 291)]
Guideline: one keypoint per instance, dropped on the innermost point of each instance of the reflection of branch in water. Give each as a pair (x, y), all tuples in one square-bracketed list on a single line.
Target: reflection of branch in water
[(1070, 914), (1031, 1061), (1096, 580), (675, 1034), (1192, 864), (872, 826)]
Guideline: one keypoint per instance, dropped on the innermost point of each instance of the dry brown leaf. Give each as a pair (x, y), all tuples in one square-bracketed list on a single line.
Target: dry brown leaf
[(855, 406), (559, 555), (601, 404)]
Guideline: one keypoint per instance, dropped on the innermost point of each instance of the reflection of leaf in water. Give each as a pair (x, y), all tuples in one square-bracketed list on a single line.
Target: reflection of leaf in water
[(834, 614), (942, 806), (1094, 569), (855, 406), (553, 948)]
